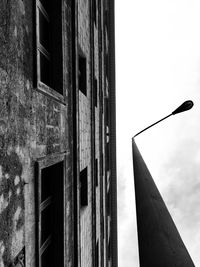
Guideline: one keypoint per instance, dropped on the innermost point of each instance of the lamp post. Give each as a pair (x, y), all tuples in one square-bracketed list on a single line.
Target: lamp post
[(184, 107), (159, 241)]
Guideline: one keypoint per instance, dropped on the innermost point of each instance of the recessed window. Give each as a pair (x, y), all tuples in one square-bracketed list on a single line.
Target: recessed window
[(108, 200), (109, 249), (84, 187), (102, 163), (107, 115), (50, 215), (106, 16), (96, 172), (95, 92), (97, 254), (107, 64), (49, 45), (95, 12), (46, 4), (82, 74), (107, 155)]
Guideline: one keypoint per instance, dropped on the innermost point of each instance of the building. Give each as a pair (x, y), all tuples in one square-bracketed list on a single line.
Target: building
[(57, 134), (159, 241)]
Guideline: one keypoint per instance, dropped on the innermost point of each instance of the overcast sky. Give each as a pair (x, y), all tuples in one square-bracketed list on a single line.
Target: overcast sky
[(158, 68)]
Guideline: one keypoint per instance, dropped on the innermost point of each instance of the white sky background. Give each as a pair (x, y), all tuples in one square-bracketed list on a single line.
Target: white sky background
[(157, 69)]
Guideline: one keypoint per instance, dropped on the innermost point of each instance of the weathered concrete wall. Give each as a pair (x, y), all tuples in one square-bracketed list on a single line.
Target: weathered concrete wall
[(35, 125), (15, 86), (85, 134), (32, 125)]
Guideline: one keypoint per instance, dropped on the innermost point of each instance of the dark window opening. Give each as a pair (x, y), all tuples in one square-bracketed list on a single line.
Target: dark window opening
[(46, 4), (95, 92), (107, 115), (49, 44), (45, 71), (46, 223), (97, 254), (96, 172), (106, 18), (102, 163), (108, 203), (103, 234), (44, 31), (51, 217), (82, 74), (109, 249), (107, 152), (84, 187), (107, 67), (46, 257), (95, 12)]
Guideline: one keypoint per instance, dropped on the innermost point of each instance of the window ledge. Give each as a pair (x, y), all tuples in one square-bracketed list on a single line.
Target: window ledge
[(43, 88)]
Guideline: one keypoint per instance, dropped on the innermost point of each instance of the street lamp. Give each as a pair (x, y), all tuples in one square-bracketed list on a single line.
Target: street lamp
[(159, 241), (184, 107)]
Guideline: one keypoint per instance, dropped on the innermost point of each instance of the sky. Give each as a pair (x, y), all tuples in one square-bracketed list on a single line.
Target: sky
[(157, 69)]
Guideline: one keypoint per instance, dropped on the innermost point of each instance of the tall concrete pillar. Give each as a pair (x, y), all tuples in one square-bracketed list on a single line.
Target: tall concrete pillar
[(160, 244)]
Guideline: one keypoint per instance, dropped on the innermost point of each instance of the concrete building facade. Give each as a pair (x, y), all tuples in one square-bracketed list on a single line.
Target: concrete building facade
[(57, 134)]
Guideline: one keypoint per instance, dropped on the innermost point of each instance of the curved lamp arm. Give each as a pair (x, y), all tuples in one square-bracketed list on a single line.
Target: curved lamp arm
[(184, 107)]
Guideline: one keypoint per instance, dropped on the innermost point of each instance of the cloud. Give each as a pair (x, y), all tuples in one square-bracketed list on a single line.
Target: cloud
[(128, 246), (158, 66), (121, 187), (127, 230), (181, 191)]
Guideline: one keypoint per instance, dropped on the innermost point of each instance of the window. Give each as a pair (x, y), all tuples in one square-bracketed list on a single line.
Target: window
[(84, 187), (106, 14), (97, 254), (96, 172), (102, 163), (107, 155), (107, 64), (82, 74), (50, 212), (95, 92), (109, 249), (107, 115), (95, 12), (49, 46), (108, 200)]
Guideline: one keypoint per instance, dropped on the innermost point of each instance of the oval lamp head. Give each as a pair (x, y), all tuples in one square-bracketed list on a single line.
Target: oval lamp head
[(184, 107)]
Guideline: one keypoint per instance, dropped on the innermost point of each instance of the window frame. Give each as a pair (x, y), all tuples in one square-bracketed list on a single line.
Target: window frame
[(41, 164), (41, 86), (96, 172), (84, 199), (94, 9), (97, 254), (83, 56), (95, 93)]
